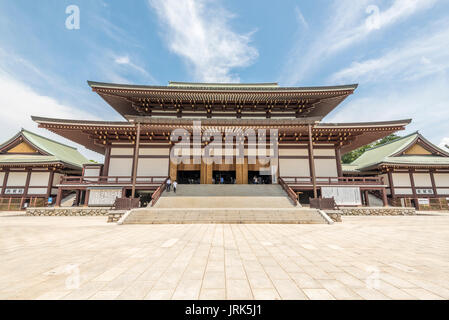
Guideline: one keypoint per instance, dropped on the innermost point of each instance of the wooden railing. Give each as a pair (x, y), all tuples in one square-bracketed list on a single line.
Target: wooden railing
[(288, 190), (334, 180), (112, 180), (157, 194), (17, 204)]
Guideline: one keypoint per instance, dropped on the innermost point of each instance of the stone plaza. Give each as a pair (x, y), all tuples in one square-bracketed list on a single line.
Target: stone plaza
[(365, 257)]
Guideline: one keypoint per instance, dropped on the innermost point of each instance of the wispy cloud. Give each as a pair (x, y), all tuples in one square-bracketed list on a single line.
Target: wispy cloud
[(349, 23), (199, 32), (424, 55), (300, 18), (126, 61), (19, 102)]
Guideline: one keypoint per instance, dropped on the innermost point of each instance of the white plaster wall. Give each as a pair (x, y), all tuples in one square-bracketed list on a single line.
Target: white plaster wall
[(119, 167), (324, 152), (422, 180), (442, 179), (17, 179), (154, 151), (294, 168), (39, 178), (57, 179), (401, 180), (37, 190), (122, 151), (403, 191), (326, 168), (92, 172), (386, 179), (293, 152), (153, 167)]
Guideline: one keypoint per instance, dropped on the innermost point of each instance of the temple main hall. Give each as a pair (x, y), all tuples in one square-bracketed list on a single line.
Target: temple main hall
[(304, 151)]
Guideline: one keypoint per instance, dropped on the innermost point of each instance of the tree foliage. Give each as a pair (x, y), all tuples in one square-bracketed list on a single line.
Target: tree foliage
[(351, 156)]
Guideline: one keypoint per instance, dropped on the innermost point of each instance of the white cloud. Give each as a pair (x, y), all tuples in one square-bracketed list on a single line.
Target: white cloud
[(426, 102), (350, 22), (427, 54), (126, 61), (199, 32), (444, 143), (301, 19), (19, 102)]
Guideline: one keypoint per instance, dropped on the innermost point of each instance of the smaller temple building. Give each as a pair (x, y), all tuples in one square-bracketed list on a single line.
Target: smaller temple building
[(415, 170), (31, 166)]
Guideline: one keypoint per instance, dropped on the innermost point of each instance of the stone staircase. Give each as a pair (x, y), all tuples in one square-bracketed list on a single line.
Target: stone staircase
[(225, 204)]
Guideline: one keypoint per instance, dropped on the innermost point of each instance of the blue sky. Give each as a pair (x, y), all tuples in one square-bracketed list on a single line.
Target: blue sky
[(397, 50)]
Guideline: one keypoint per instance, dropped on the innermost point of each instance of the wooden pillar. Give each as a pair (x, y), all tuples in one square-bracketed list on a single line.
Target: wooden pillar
[(86, 198), (390, 182), (384, 197), (50, 183), (173, 171), (312, 163), (434, 185), (241, 172), (366, 193), (338, 157), (27, 183), (58, 197), (412, 183), (107, 160), (5, 182), (135, 162)]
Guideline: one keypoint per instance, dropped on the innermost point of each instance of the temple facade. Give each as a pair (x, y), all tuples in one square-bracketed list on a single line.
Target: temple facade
[(202, 133), (31, 168), (415, 170)]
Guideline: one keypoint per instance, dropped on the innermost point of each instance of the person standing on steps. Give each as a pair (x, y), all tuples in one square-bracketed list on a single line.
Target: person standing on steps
[(168, 184), (175, 184)]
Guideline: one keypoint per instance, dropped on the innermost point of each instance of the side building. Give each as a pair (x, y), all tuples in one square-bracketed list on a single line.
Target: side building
[(31, 167), (415, 170)]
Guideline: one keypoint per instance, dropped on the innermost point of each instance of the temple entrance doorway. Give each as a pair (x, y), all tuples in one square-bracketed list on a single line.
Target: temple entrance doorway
[(254, 177), (188, 177), (224, 177)]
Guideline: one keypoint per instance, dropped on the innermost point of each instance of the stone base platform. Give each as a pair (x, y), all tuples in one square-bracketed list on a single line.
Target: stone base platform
[(68, 211), (377, 211), (225, 216)]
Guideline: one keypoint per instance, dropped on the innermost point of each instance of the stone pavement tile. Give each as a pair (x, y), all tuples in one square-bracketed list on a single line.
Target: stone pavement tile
[(53, 295), (339, 291), (159, 294), (214, 280), (423, 294), (259, 280), (85, 291), (136, 291), (316, 272), (348, 280), (370, 294), (393, 292), (432, 287), (213, 294), (396, 281), (236, 273), (288, 290), (215, 266), (265, 294), (187, 290), (276, 273), (318, 294), (110, 274), (105, 295), (304, 281), (238, 290)]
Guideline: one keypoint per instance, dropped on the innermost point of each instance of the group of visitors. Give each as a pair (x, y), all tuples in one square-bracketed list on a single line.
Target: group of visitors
[(169, 184)]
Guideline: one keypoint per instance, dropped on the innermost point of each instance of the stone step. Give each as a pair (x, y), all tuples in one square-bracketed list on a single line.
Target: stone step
[(212, 215), (224, 202)]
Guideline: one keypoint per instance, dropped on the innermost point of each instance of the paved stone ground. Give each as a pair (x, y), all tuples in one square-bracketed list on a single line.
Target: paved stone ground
[(361, 258)]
